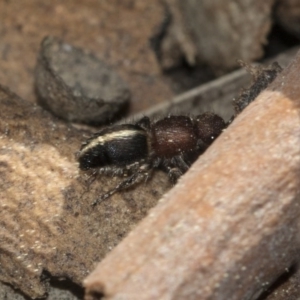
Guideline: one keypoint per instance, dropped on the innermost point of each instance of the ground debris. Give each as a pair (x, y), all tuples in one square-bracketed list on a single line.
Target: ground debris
[(261, 77)]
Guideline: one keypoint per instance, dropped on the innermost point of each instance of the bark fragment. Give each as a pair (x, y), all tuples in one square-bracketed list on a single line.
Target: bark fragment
[(217, 33), (76, 86)]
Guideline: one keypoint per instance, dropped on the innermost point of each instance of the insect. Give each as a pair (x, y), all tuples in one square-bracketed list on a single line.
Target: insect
[(172, 143), (134, 150)]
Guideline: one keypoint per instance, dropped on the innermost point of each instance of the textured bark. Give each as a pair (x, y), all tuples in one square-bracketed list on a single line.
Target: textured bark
[(218, 32), (230, 227)]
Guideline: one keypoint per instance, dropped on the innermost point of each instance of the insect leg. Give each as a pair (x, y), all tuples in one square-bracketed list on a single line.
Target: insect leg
[(137, 177)]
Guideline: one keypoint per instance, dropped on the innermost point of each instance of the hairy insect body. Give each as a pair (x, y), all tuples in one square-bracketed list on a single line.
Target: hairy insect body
[(172, 143)]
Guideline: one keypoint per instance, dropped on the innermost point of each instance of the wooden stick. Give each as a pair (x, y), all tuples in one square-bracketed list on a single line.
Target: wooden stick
[(230, 227)]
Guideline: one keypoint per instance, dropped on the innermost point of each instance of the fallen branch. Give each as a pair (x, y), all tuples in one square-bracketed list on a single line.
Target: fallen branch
[(230, 226)]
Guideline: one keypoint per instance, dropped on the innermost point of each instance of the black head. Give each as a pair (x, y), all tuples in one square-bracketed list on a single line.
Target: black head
[(209, 126)]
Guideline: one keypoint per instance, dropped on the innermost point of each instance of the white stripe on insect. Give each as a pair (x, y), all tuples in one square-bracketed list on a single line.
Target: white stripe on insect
[(102, 139)]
